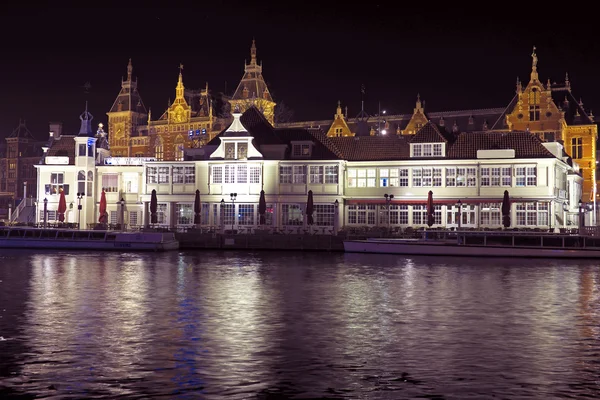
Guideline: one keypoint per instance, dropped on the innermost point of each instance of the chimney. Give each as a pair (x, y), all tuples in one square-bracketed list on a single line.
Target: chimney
[(55, 130)]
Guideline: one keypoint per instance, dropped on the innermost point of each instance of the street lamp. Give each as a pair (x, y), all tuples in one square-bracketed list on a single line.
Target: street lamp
[(565, 208), (45, 212), (388, 200), (379, 130), (459, 205), (122, 214), (233, 196), (79, 197), (223, 214), (336, 204)]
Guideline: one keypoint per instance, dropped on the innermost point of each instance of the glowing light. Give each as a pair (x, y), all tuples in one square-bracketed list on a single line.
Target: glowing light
[(383, 131)]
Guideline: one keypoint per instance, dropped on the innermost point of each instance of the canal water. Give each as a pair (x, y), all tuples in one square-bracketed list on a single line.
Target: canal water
[(213, 325)]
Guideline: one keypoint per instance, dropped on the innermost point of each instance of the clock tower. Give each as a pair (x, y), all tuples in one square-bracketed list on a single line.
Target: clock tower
[(126, 114)]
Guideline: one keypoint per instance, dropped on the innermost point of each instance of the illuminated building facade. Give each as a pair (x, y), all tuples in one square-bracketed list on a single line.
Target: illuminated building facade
[(549, 111), (348, 177)]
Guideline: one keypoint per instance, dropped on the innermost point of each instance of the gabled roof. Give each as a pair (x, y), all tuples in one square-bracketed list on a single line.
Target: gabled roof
[(21, 132), (575, 114), (253, 84), (258, 127), (431, 133), (323, 149), (525, 144), (128, 98)]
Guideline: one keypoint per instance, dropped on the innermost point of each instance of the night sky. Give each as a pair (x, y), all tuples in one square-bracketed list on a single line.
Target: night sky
[(455, 58)]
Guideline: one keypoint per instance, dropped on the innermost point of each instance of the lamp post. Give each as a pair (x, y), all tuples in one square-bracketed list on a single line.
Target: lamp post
[(565, 207), (223, 214), (379, 131), (336, 204), (459, 205), (581, 216), (25, 192), (79, 197), (388, 200), (122, 201), (45, 212), (10, 210), (233, 196)]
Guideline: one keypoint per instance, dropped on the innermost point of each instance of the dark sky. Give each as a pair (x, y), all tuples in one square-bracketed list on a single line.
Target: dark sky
[(455, 58)]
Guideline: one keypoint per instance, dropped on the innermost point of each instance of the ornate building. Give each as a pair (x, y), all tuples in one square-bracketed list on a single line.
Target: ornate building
[(550, 111), (188, 122), (18, 155), (252, 90)]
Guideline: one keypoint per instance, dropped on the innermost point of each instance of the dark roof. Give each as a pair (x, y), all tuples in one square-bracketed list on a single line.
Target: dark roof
[(64, 146), (252, 81), (431, 133), (21, 132), (323, 148), (525, 144), (258, 127), (575, 114), (129, 98), (373, 148)]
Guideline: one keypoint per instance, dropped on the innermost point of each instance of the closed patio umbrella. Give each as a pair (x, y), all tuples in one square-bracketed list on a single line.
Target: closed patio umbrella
[(430, 209), (262, 208), (309, 208), (506, 210), (197, 208), (153, 207), (102, 209)]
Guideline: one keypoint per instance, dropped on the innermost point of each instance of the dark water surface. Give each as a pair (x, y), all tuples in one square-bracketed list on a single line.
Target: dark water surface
[(296, 325)]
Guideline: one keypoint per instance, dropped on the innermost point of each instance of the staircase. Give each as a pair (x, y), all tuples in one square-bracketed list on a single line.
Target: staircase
[(24, 212)]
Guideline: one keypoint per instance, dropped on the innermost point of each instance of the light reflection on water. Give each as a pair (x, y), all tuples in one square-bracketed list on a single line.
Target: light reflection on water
[(242, 324)]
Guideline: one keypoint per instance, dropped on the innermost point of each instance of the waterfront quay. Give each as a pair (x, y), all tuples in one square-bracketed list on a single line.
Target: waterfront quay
[(196, 239)]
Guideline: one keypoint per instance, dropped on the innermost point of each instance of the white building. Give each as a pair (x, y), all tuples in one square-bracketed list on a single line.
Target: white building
[(348, 177)]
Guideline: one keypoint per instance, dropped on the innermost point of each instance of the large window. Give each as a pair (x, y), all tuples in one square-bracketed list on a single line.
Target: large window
[(532, 214), (291, 214), (151, 175), (81, 181), (427, 149), (184, 174), (163, 174), (217, 174), (110, 183), (185, 213), (56, 184), (130, 181), (461, 176), (490, 214), (325, 214), (361, 214), (526, 176), (362, 177), (246, 214), (577, 147), (534, 105), (316, 174)]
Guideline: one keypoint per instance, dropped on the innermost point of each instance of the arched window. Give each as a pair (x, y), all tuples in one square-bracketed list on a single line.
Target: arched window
[(81, 181), (158, 149), (179, 146)]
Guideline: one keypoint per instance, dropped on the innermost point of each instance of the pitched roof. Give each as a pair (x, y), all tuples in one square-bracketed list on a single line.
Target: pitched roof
[(129, 98), (525, 144), (258, 127), (253, 84), (64, 146), (431, 133), (575, 114), (323, 149), (373, 148), (21, 132)]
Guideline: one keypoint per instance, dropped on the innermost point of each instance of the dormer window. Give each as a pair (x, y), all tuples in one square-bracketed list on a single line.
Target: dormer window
[(236, 151), (427, 149), (301, 150)]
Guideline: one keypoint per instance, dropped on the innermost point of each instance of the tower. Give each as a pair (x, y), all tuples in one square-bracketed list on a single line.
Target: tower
[(125, 115), (252, 90)]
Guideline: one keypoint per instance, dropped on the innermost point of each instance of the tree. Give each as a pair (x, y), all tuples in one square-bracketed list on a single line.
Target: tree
[(283, 113)]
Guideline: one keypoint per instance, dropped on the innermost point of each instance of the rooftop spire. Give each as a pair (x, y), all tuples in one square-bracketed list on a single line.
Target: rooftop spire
[(253, 52), (519, 87), (534, 74), (180, 88), (129, 70)]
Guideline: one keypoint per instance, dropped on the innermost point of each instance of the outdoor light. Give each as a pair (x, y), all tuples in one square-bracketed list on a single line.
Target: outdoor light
[(79, 197), (336, 203), (383, 132), (459, 205), (388, 200), (565, 206), (122, 214), (233, 196), (122, 202)]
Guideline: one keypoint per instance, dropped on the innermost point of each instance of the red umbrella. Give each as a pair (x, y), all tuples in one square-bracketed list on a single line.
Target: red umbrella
[(506, 210), (262, 208), (102, 210), (62, 206), (430, 209), (309, 208)]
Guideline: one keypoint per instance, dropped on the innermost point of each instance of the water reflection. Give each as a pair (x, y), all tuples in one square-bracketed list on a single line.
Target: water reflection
[(245, 324)]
